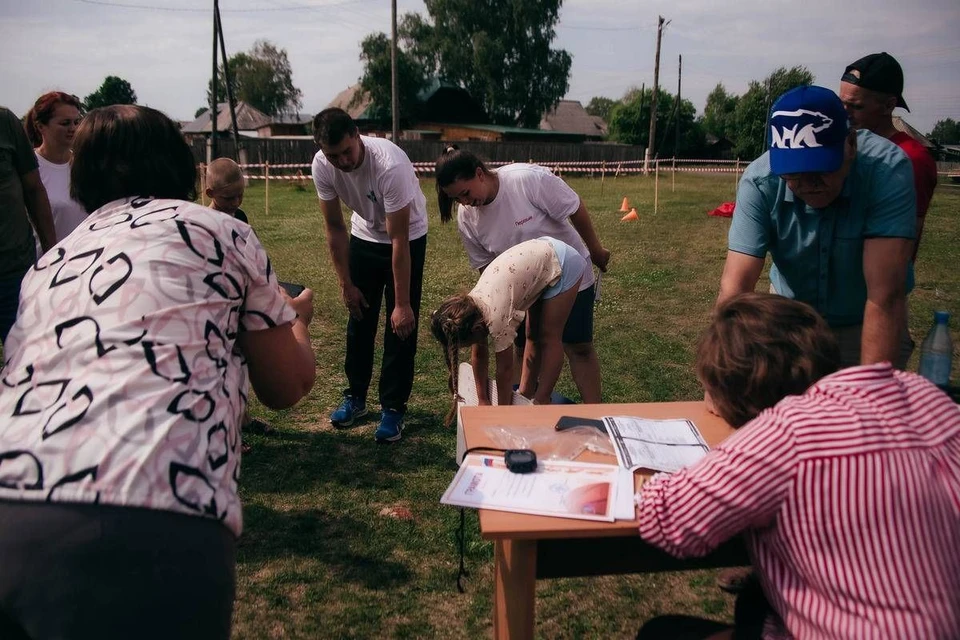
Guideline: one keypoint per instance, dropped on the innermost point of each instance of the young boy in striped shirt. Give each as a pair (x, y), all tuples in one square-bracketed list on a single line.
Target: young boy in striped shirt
[(845, 484)]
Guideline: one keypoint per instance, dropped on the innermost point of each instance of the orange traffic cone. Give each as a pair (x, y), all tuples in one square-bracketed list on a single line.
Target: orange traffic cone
[(630, 216), (625, 206)]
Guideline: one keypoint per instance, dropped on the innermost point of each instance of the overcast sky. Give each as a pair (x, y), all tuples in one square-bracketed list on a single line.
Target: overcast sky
[(162, 47)]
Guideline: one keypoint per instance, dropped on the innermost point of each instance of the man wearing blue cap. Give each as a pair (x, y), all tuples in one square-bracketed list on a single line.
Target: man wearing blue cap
[(836, 210)]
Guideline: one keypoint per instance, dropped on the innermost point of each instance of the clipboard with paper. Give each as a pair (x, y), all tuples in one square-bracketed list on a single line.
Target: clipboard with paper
[(660, 445)]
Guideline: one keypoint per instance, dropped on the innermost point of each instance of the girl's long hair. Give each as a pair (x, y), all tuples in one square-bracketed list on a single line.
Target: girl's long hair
[(454, 324), (452, 165)]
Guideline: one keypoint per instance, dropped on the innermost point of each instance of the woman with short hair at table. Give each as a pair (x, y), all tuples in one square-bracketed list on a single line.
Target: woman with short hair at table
[(126, 374), (844, 484), (538, 279), (501, 208), (51, 126)]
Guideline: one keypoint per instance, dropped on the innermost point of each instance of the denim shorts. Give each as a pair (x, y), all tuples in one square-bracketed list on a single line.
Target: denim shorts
[(572, 266)]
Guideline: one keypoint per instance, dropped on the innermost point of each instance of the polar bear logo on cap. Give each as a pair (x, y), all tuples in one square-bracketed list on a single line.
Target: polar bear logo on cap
[(810, 123)]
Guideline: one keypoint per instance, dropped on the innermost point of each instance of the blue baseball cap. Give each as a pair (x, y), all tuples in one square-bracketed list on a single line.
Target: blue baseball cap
[(808, 128)]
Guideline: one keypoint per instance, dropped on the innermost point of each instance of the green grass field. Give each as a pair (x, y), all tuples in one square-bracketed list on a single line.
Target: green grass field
[(346, 539), (323, 553)]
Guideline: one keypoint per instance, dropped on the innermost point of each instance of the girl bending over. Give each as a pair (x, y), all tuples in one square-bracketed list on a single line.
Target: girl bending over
[(538, 279)]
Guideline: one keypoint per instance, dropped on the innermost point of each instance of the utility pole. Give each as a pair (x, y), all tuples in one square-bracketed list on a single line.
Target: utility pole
[(212, 141), (395, 102), (651, 139), (226, 81), (676, 142)]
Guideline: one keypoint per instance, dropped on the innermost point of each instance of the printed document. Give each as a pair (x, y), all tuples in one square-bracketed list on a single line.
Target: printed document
[(581, 490), (660, 445)]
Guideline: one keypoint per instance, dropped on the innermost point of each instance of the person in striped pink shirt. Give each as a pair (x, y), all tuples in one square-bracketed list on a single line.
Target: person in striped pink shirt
[(845, 484)]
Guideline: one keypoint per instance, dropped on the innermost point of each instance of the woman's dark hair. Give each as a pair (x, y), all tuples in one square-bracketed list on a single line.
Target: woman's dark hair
[(452, 165), (760, 348), (42, 112), (331, 126), (124, 151), (454, 324)]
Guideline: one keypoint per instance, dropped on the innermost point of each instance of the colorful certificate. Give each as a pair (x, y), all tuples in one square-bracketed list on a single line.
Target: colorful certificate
[(562, 489)]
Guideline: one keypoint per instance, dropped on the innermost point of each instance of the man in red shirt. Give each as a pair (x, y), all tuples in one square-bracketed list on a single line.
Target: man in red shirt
[(871, 88)]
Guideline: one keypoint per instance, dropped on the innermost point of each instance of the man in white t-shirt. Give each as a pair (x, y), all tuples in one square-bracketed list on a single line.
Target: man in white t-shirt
[(381, 258)]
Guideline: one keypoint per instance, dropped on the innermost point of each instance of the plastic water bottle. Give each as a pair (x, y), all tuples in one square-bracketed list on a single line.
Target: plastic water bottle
[(936, 351)]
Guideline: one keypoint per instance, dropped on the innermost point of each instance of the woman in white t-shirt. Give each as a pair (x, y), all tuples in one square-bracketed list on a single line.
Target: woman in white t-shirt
[(537, 279), (125, 378), (51, 125), (518, 202)]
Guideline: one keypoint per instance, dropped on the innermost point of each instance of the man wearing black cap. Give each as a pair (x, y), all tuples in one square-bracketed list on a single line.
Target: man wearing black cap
[(871, 88)]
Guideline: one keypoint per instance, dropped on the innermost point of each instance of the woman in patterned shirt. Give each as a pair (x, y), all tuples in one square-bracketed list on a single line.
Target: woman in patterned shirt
[(126, 375), (541, 276)]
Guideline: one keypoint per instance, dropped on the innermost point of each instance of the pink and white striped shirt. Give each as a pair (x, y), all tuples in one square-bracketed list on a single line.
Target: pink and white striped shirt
[(849, 500)]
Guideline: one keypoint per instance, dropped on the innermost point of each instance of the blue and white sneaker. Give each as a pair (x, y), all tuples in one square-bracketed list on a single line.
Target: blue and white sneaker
[(391, 423), (349, 411)]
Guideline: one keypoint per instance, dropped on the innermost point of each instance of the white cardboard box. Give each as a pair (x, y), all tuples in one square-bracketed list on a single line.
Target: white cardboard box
[(467, 389)]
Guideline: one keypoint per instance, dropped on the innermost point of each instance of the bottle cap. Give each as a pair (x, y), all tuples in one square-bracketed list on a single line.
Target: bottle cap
[(941, 317)]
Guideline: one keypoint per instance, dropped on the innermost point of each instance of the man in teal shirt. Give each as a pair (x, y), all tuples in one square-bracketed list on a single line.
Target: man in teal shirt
[(836, 210)]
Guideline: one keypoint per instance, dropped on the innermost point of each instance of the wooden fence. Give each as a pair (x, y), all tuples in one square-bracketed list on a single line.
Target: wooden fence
[(301, 151), (300, 172)]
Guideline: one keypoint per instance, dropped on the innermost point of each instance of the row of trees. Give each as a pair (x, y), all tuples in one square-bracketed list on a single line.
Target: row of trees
[(740, 119), (498, 51), (946, 132)]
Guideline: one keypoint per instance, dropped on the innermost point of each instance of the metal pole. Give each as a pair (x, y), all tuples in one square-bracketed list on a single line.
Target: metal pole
[(394, 108)]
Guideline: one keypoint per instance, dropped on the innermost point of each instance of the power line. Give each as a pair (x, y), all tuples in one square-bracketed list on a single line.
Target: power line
[(586, 27), (123, 5)]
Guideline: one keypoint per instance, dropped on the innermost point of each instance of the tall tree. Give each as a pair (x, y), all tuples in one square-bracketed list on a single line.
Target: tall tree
[(261, 77), (114, 90), (600, 106), (945, 132), (498, 50), (753, 108), (629, 122), (411, 77), (719, 113)]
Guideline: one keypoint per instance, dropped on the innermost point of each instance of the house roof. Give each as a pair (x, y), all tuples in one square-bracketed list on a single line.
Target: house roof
[(902, 125), (292, 118), (569, 116), (248, 119), (505, 129), (344, 99)]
